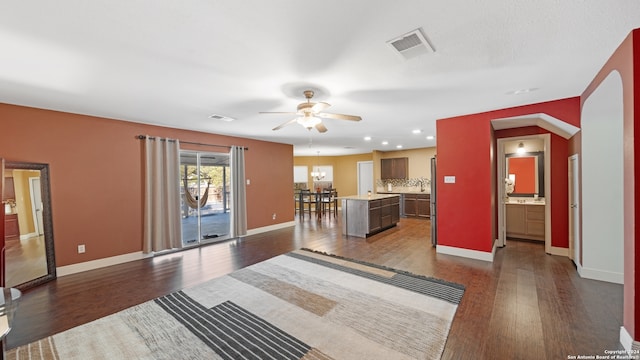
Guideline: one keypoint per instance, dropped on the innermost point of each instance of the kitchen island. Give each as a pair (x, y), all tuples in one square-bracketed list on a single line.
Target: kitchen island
[(365, 215)]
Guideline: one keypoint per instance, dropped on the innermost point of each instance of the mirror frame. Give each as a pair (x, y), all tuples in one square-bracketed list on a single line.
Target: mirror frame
[(539, 170), (47, 220)]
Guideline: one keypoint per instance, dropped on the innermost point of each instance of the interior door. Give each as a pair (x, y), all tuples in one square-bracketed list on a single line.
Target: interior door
[(574, 210), (36, 204), (365, 177)]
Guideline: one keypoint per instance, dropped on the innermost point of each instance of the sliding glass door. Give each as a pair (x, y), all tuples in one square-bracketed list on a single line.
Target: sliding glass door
[(204, 190)]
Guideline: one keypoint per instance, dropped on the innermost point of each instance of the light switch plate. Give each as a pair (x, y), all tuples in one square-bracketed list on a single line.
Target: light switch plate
[(449, 179)]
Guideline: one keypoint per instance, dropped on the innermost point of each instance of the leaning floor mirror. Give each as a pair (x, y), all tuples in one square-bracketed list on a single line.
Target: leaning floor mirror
[(29, 246)]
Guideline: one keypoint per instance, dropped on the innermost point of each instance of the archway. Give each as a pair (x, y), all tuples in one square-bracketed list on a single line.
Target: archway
[(602, 173)]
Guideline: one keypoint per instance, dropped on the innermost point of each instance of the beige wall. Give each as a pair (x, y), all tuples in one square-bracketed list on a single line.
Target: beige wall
[(345, 178)]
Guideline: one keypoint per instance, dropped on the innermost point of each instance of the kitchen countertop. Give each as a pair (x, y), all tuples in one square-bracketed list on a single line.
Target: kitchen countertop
[(367, 197), (404, 192), (526, 202)]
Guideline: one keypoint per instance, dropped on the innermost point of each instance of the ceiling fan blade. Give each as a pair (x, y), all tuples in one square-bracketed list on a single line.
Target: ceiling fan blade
[(339, 116), (277, 112), (285, 124), (321, 128), (320, 106)]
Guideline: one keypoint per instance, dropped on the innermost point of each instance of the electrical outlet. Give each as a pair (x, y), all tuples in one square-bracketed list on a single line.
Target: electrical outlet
[(274, 216), (81, 249)]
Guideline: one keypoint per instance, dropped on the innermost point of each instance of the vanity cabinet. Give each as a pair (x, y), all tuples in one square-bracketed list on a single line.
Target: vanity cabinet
[(525, 221), (394, 168), (417, 205)]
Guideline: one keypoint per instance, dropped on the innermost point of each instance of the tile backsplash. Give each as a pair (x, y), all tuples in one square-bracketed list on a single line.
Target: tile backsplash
[(403, 185)]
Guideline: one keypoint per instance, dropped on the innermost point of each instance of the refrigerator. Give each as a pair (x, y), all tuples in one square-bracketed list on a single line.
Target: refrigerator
[(432, 204)]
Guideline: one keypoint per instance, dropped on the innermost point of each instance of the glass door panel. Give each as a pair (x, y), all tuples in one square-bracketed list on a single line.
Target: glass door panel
[(204, 194)]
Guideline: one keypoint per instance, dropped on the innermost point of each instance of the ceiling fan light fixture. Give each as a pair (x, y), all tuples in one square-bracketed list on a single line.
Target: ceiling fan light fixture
[(309, 121)]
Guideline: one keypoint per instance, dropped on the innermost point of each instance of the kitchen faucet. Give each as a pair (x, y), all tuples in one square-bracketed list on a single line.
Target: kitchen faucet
[(421, 185)]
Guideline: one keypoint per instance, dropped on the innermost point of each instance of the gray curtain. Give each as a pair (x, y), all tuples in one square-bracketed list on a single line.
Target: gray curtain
[(162, 226), (238, 193)]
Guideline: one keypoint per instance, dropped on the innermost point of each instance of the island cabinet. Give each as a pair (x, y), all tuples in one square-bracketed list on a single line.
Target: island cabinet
[(366, 215), (417, 205), (525, 221), (394, 168)]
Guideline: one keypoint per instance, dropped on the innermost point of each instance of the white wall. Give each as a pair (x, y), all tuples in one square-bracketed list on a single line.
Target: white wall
[(602, 183)]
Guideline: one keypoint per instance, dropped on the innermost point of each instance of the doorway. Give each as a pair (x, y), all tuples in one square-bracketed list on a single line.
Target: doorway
[(365, 177), (602, 183), (513, 201), (36, 205), (205, 197)]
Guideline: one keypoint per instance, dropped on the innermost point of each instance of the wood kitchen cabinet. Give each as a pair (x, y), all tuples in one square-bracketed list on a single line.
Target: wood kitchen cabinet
[(11, 229), (525, 221), (394, 168), (375, 212), (417, 205), (9, 189)]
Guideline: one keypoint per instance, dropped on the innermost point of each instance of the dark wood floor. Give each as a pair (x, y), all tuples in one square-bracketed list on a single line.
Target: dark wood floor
[(524, 305)]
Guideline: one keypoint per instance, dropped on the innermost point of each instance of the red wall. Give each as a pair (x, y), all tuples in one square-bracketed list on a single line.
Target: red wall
[(626, 60), (466, 149), (96, 176), (465, 208)]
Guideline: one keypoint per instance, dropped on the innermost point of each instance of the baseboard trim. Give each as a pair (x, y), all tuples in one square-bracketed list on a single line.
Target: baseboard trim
[(270, 228), (28, 236), (139, 255), (467, 253), (627, 341), (560, 251), (100, 263), (595, 274)]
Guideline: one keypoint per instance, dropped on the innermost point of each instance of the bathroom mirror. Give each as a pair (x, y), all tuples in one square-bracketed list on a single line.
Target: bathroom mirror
[(29, 246), (527, 173)]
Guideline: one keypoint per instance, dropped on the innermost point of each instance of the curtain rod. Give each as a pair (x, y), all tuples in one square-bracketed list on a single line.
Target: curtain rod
[(187, 142)]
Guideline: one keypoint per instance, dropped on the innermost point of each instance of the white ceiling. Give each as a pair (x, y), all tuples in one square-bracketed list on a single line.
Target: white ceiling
[(174, 63)]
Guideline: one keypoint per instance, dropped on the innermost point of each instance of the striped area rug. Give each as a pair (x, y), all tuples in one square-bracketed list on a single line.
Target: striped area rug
[(301, 305)]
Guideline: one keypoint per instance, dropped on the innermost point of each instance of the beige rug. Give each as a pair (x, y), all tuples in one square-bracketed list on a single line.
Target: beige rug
[(301, 305)]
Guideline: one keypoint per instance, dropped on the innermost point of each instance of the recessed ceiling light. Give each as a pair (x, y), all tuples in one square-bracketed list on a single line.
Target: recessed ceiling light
[(430, 137), (416, 131), (367, 138), (385, 142), (220, 117), (398, 146), (521, 91)]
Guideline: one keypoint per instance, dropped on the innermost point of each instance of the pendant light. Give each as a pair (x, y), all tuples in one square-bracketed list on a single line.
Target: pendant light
[(316, 174)]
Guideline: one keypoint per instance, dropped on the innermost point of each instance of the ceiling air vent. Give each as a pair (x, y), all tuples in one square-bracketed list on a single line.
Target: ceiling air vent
[(411, 44), (220, 117)]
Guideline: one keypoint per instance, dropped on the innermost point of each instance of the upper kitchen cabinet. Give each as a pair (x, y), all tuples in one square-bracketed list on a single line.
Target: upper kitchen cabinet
[(394, 168)]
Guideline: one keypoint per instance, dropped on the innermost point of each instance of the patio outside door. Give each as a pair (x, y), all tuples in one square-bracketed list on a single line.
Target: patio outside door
[(204, 191)]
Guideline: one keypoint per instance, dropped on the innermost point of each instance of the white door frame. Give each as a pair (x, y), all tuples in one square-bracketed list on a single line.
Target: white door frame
[(574, 210)]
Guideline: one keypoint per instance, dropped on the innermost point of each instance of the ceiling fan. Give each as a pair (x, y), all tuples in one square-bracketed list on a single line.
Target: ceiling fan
[(310, 114)]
